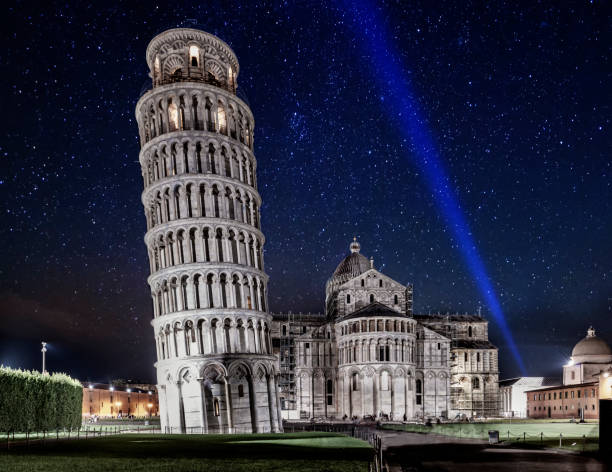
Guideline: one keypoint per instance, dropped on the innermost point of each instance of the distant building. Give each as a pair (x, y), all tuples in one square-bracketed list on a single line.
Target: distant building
[(512, 394), (368, 355), (579, 401), (107, 401), (578, 397)]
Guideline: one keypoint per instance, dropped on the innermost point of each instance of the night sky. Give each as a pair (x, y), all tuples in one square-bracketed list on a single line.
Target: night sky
[(517, 99)]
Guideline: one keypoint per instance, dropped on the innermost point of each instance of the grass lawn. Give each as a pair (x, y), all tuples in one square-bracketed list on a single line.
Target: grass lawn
[(241, 453), (534, 432)]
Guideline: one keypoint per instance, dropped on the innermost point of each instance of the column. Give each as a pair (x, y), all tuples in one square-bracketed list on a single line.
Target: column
[(228, 405), (181, 407), (272, 404), (253, 405), (279, 415), (204, 413)]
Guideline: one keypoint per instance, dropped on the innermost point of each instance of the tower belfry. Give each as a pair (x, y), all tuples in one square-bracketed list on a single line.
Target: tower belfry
[(215, 368)]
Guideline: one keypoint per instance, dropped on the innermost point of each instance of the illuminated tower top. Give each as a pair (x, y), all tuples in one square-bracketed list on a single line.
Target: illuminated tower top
[(190, 55)]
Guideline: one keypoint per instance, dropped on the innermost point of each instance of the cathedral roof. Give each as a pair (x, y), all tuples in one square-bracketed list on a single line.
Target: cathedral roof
[(373, 309), (352, 265), (450, 317), (591, 346), (472, 344)]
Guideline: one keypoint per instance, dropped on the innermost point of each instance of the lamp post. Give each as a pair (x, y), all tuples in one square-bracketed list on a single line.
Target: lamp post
[(44, 351)]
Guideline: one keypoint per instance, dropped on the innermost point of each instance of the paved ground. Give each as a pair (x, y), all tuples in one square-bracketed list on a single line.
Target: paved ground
[(412, 452)]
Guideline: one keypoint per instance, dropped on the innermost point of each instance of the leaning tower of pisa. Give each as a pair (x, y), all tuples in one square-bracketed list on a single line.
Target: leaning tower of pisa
[(215, 369)]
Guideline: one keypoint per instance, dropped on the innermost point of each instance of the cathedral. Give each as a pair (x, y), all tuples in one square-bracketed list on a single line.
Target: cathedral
[(219, 366), (370, 357)]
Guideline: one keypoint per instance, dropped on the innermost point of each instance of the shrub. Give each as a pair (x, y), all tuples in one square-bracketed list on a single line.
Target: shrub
[(31, 401)]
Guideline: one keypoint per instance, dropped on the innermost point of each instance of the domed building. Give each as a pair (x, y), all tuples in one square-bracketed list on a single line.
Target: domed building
[(369, 356), (578, 397), (590, 356)]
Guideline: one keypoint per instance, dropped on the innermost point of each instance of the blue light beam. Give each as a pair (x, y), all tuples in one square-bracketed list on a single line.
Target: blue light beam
[(384, 61)]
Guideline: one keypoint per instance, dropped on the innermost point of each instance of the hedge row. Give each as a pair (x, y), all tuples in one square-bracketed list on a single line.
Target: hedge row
[(31, 401)]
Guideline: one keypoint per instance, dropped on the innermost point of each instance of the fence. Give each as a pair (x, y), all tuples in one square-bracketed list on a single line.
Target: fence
[(85, 432)]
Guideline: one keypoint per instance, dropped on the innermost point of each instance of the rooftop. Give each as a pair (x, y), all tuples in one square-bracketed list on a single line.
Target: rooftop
[(371, 310)]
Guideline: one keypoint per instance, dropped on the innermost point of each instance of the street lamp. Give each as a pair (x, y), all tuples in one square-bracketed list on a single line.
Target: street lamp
[(44, 351)]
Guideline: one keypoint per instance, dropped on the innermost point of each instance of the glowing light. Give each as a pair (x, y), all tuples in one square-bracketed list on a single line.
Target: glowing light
[(194, 53), (569, 363), (90, 387), (385, 63)]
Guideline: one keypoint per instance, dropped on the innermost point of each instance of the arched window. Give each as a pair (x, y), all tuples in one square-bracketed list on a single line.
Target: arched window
[(470, 331), (372, 298), (348, 298), (380, 283), (419, 392), (240, 390), (355, 381), (384, 380), (330, 392), (363, 282), (194, 55), (475, 383), (221, 118), (216, 406), (396, 300), (173, 116)]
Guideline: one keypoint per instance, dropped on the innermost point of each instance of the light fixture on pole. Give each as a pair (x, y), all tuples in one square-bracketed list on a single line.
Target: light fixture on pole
[(44, 351)]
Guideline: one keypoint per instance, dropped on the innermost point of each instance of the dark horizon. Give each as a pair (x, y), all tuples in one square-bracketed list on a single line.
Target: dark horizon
[(516, 98)]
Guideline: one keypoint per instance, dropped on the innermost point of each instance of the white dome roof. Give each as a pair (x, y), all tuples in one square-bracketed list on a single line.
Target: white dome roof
[(591, 346)]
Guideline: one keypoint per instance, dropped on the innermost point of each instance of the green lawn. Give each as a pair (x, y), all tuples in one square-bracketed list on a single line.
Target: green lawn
[(241, 453), (533, 432)]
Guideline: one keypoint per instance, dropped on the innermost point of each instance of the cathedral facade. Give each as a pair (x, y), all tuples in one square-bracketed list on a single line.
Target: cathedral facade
[(211, 326), (369, 356)]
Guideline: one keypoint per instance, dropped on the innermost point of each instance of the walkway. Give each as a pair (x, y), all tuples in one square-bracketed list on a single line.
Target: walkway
[(412, 452)]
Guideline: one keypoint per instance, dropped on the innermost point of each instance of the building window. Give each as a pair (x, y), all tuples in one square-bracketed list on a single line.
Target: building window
[(395, 300), (470, 331), (477, 357), (579, 393), (355, 382), (419, 392), (566, 397), (371, 298), (194, 54), (216, 406), (330, 392), (284, 330), (380, 283), (555, 395), (572, 394), (465, 357), (363, 282), (475, 383), (240, 391), (348, 298)]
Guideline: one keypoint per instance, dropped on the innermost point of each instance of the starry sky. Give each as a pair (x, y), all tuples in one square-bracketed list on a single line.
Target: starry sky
[(515, 94)]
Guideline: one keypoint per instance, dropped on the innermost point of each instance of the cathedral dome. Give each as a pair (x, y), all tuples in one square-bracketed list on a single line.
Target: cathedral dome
[(352, 265), (591, 346)]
